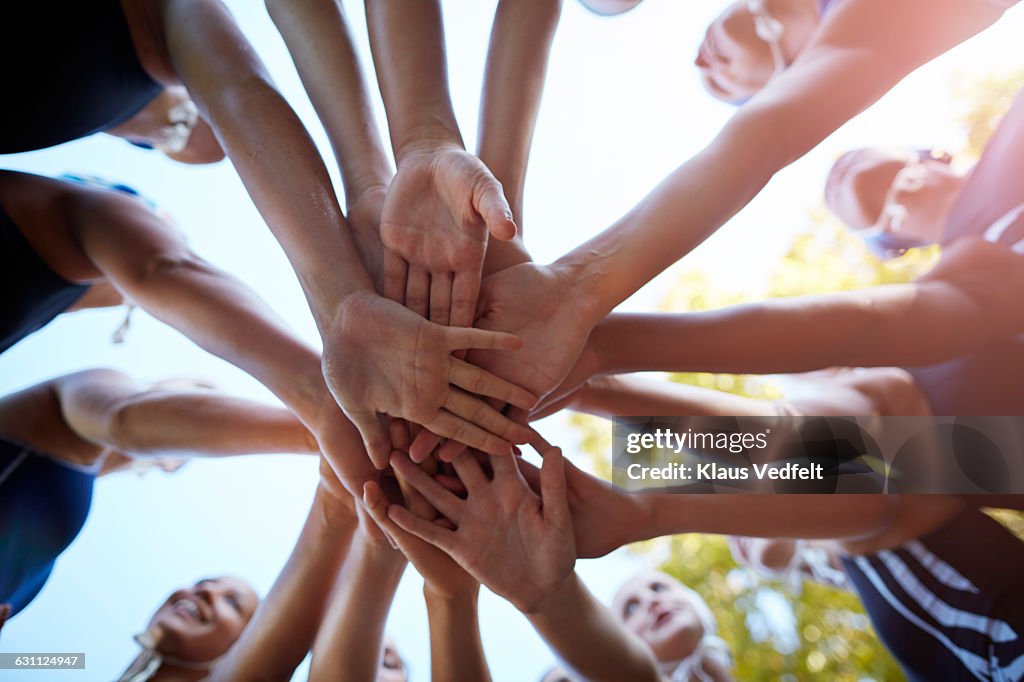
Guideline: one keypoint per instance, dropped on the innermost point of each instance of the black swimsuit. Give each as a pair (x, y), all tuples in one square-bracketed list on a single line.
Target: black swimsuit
[(70, 70), (33, 293)]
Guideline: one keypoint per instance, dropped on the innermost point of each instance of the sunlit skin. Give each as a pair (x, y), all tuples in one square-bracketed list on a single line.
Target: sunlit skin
[(735, 62), (199, 623)]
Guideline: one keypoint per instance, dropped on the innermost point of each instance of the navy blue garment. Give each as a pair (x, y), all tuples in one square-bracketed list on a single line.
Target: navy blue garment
[(70, 70), (950, 605), (33, 294), (43, 505)]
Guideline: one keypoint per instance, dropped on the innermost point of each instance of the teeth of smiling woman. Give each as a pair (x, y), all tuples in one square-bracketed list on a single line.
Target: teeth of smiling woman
[(189, 607)]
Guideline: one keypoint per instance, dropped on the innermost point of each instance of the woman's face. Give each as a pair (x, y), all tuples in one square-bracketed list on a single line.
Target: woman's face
[(896, 192), (858, 184), (734, 61), (657, 608), (919, 201), (392, 668), (200, 623)]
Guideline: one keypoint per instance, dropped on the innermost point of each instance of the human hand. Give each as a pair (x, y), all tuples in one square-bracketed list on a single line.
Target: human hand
[(344, 464), (569, 394), (442, 576), (603, 519), (380, 358), (438, 211), (539, 304), (517, 543)]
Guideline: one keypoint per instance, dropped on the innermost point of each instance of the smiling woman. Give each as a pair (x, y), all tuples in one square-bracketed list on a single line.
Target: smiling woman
[(192, 629)]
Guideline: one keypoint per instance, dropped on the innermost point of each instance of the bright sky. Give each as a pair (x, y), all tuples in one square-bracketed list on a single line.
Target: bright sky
[(622, 108)]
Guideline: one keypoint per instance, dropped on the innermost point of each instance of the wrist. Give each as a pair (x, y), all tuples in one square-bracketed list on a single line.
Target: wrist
[(460, 599), (428, 138), (557, 601), (582, 286)]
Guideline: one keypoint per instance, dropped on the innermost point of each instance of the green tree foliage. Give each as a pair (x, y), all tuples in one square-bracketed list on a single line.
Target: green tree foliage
[(987, 99)]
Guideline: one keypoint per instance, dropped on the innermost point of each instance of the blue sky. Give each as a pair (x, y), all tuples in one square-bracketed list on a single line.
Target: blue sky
[(622, 108)]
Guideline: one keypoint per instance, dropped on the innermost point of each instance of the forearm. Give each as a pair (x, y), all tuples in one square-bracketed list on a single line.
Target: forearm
[(204, 424), (407, 40), (456, 650), (271, 150), (225, 318), (622, 396), (767, 516), (318, 38), (892, 325), (517, 61), (587, 637), (673, 219), (286, 622), (348, 646)]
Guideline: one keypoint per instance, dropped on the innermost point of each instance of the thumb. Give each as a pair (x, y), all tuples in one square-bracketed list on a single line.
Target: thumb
[(375, 438), (553, 490), (489, 200)]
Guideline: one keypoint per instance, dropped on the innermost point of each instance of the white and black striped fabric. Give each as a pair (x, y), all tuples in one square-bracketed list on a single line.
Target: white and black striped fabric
[(949, 605)]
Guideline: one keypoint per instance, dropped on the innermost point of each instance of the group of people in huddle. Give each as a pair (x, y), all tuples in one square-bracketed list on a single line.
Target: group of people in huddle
[(442, 339)]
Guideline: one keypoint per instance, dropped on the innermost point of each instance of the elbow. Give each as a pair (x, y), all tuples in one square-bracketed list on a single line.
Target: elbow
[(124, 431)]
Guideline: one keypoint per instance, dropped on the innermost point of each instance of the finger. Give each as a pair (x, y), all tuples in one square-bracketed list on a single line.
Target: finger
[(486, 417), (531, 474), (481, 382), (417, 291), (373, 532), (450, 450), (398, 430), (489, 200), (457, 338), (456, 428), (427, 531), (441, 298), (465, 292), (438, 496), (375, 438), (423, 445), (554, 501), (503, 466), (395, 273), (470, 473), (452, 483)]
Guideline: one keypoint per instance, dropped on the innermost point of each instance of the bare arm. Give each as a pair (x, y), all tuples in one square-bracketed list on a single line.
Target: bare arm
[(456, 650), (966, 301), (853, 60), (517, 63), (271, 150), (443, 201), (588, 638), (349, 644), (150, 263), (285, 624), (112, 410)]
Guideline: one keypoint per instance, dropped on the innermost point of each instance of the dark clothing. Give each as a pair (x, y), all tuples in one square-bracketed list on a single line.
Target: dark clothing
[(33, 293), (43, 505), (949, 605), (70, 70)]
